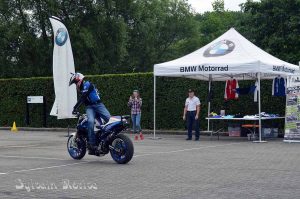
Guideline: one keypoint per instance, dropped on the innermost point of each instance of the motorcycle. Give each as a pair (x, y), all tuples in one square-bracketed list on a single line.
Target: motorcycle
[(109, 139)]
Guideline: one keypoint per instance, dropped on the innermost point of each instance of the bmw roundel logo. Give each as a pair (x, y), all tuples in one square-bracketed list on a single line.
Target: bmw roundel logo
[(220, 48), (61, 36)]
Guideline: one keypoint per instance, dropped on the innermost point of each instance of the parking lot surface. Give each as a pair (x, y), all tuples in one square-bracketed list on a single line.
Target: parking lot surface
[(37, 165)]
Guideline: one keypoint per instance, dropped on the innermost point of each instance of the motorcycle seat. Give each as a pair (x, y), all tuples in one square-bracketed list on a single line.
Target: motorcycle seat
[(113, 119)]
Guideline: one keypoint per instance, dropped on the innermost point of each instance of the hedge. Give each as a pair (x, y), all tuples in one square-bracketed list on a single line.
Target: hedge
[(115, 91)]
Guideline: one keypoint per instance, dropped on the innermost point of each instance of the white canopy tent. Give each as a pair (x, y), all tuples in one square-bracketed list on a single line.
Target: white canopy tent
[(230, 55)]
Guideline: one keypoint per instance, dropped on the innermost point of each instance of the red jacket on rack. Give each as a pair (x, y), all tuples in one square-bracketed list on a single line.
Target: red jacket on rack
[(230, 92)]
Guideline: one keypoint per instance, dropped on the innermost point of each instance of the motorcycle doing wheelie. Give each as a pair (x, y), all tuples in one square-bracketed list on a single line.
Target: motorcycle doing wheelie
[(109, 139)]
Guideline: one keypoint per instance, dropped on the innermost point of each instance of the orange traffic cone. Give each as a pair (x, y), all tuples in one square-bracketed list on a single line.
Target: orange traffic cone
[(14, 127)]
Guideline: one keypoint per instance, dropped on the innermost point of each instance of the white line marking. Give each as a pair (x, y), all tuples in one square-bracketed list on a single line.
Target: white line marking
[(18, 146), (26, 157), (42, 168), (155, 153), (47, 147), (39, 146)]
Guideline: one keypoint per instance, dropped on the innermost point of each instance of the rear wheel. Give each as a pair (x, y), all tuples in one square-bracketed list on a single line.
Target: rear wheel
[(122, 149), (76, 147)]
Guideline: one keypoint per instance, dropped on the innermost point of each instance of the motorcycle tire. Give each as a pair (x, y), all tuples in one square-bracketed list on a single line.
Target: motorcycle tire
[(123, 149), (76, 150)]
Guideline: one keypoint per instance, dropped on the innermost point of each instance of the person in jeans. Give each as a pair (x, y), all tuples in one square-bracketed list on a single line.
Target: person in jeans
[(91, 98), (135, 104), (191, 114)]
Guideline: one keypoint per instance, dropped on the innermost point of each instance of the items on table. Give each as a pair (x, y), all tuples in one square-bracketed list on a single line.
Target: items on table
[(214, 115), (239, 115), (263, 114), (222, 112), (230, 89), (279, 86), (228, 116)]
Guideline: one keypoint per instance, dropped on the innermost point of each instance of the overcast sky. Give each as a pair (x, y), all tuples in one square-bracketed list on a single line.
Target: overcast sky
[(205, 5)]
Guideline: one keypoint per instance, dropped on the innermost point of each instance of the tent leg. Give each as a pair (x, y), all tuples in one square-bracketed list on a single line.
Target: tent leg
[(208, 106), (154, 109), (259, 110)]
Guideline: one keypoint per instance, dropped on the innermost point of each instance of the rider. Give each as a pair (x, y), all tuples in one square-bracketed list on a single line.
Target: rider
[(90, 97)]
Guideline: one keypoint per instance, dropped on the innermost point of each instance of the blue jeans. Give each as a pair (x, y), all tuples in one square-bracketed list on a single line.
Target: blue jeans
[(91, 112), (191, 120), (136, 122)]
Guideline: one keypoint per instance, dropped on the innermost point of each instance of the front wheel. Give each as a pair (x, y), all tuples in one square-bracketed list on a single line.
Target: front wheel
[(121, 149), (76, 147)]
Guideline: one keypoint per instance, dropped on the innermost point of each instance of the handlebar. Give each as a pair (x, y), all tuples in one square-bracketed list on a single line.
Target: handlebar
[(77, 114), (125, 117)]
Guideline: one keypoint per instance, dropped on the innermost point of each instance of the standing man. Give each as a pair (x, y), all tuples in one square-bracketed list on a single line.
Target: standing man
[(191, 114)]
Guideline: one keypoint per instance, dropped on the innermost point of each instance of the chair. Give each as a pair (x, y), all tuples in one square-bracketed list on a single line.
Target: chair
[(251, 128)]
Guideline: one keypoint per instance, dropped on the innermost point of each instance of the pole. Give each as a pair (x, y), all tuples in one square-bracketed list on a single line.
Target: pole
[(154, 107), (68, 128), (208, 110), (259, 110), (27, 113), (44, 112), (259, 107)]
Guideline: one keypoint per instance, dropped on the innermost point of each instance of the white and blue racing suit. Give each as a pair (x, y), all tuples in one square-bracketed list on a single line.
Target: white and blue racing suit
[(91, 98)]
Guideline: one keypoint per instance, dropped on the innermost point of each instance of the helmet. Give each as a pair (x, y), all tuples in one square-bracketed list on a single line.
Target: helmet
[(76, 78)]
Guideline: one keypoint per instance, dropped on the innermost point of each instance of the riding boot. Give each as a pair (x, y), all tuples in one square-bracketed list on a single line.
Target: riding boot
[(92, 149)]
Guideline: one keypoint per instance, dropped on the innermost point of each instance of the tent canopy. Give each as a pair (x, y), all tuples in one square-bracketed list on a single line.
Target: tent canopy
[(230, 55)]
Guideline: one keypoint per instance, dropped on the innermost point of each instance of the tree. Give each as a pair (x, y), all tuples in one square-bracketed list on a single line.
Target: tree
[(161, 30), (273, 25), (108, 36), (118, 36), (214, 24), (218, 6)]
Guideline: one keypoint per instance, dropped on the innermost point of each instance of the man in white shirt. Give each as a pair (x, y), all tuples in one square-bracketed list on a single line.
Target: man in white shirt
[(191, 114)]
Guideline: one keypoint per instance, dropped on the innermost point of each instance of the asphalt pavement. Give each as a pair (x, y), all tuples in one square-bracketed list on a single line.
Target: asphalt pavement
[(37, 165)]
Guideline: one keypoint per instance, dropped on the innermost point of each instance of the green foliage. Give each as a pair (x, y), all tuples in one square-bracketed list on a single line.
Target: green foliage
[(115, 91), (213, 24), (218, 5), (273, 25), (108, 36), (122, 36)]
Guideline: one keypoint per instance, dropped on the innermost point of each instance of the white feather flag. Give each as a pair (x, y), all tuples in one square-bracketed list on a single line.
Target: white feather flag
[(63, 65)]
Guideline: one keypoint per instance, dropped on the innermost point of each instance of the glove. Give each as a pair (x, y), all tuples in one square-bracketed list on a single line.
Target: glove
[(74, 112)]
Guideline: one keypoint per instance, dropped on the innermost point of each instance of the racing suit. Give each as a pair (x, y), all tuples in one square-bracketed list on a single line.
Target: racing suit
[(91, 98)]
